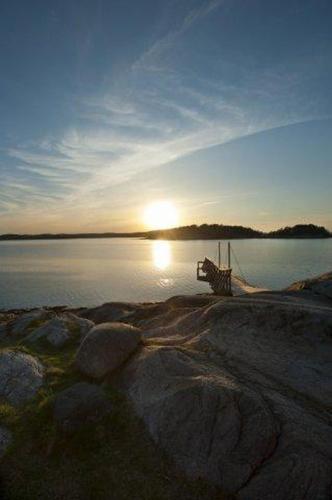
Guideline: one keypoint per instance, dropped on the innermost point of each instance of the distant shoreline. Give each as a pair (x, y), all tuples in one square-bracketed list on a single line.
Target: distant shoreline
[(97, 237), (189, 233)]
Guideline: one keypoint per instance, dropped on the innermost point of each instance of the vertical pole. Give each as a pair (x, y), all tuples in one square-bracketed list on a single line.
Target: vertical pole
[(219, 255), (229, 255)]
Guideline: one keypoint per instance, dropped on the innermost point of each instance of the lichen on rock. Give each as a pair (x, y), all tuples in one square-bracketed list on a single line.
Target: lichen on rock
[(21, 376)]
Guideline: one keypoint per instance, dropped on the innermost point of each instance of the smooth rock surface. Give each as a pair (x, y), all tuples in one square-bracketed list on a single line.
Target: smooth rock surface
[(21, 376), (106, 347), (55, 331), (22, 323), (110, 312), (240, 393), (321, 285), (79, 326), (80, 404), (58, 330)]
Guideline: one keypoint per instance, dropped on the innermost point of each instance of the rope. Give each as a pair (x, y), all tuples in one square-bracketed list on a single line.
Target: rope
[(215, 256), (238, 265), (223, 252)]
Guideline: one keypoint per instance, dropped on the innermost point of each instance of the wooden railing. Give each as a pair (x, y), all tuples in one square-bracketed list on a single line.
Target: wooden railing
[(220, 280), (201, 276)]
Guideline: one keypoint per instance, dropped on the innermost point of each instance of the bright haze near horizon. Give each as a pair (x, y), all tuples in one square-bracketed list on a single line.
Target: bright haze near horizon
[(219, 109)]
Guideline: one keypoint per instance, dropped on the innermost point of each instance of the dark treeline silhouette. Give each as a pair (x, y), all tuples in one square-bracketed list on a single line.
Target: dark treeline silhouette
[(221, 232), (68, 236), (205, 232), (193, 232), (301, 231)]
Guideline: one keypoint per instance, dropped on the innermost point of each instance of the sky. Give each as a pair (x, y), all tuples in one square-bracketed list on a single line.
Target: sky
[(221, 107)]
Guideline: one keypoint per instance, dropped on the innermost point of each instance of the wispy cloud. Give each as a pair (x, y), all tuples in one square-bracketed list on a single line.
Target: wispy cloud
[(145, 121), (151, 58), (118, 146)]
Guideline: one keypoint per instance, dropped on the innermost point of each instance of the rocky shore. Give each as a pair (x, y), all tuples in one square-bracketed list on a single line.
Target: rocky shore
[(199, 397)]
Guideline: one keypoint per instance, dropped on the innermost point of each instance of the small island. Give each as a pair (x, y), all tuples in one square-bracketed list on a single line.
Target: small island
[(224, 232)]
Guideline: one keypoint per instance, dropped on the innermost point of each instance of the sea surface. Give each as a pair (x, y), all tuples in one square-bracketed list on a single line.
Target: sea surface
[(92, 271)]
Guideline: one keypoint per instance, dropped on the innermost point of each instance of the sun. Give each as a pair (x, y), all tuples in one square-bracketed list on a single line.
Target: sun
[(161, 215)]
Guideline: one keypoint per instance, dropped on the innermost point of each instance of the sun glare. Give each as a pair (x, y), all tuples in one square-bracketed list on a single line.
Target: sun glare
[(161, 215), (161, 254)]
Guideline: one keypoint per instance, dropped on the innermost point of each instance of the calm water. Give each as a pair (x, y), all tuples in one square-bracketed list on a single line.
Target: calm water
[(89, 272)]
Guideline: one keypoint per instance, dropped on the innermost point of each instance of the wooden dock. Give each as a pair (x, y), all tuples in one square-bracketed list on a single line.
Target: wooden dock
[(220, 280)]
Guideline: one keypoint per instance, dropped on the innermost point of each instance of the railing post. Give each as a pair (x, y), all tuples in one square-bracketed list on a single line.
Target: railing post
[(229, 255)]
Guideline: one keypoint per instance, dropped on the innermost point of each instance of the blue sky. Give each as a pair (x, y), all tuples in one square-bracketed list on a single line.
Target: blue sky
[(223, 107)]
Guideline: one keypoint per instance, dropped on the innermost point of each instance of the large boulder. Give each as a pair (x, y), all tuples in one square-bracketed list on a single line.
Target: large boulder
[(80, 404), (110, 312), (56, 326), (240, 393), (77, 325), (19, 326), (212, 427), (58, 330), (106, 347), (21, 376), (5, 440), (55, 331)]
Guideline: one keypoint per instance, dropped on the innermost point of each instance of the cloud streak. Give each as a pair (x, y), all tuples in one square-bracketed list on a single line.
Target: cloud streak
[(151, 58), (145, 121)]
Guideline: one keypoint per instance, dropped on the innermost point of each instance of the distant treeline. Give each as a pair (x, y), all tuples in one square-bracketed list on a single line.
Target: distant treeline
[(301, 231), (221, 232), (193, 232), (68, 236)]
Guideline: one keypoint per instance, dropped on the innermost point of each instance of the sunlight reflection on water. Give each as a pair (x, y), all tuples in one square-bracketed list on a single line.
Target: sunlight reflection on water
[(166, 282), (162, 256)]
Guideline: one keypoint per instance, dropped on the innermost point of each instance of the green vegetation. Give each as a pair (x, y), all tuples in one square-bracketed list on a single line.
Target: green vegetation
[(114, 459)]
